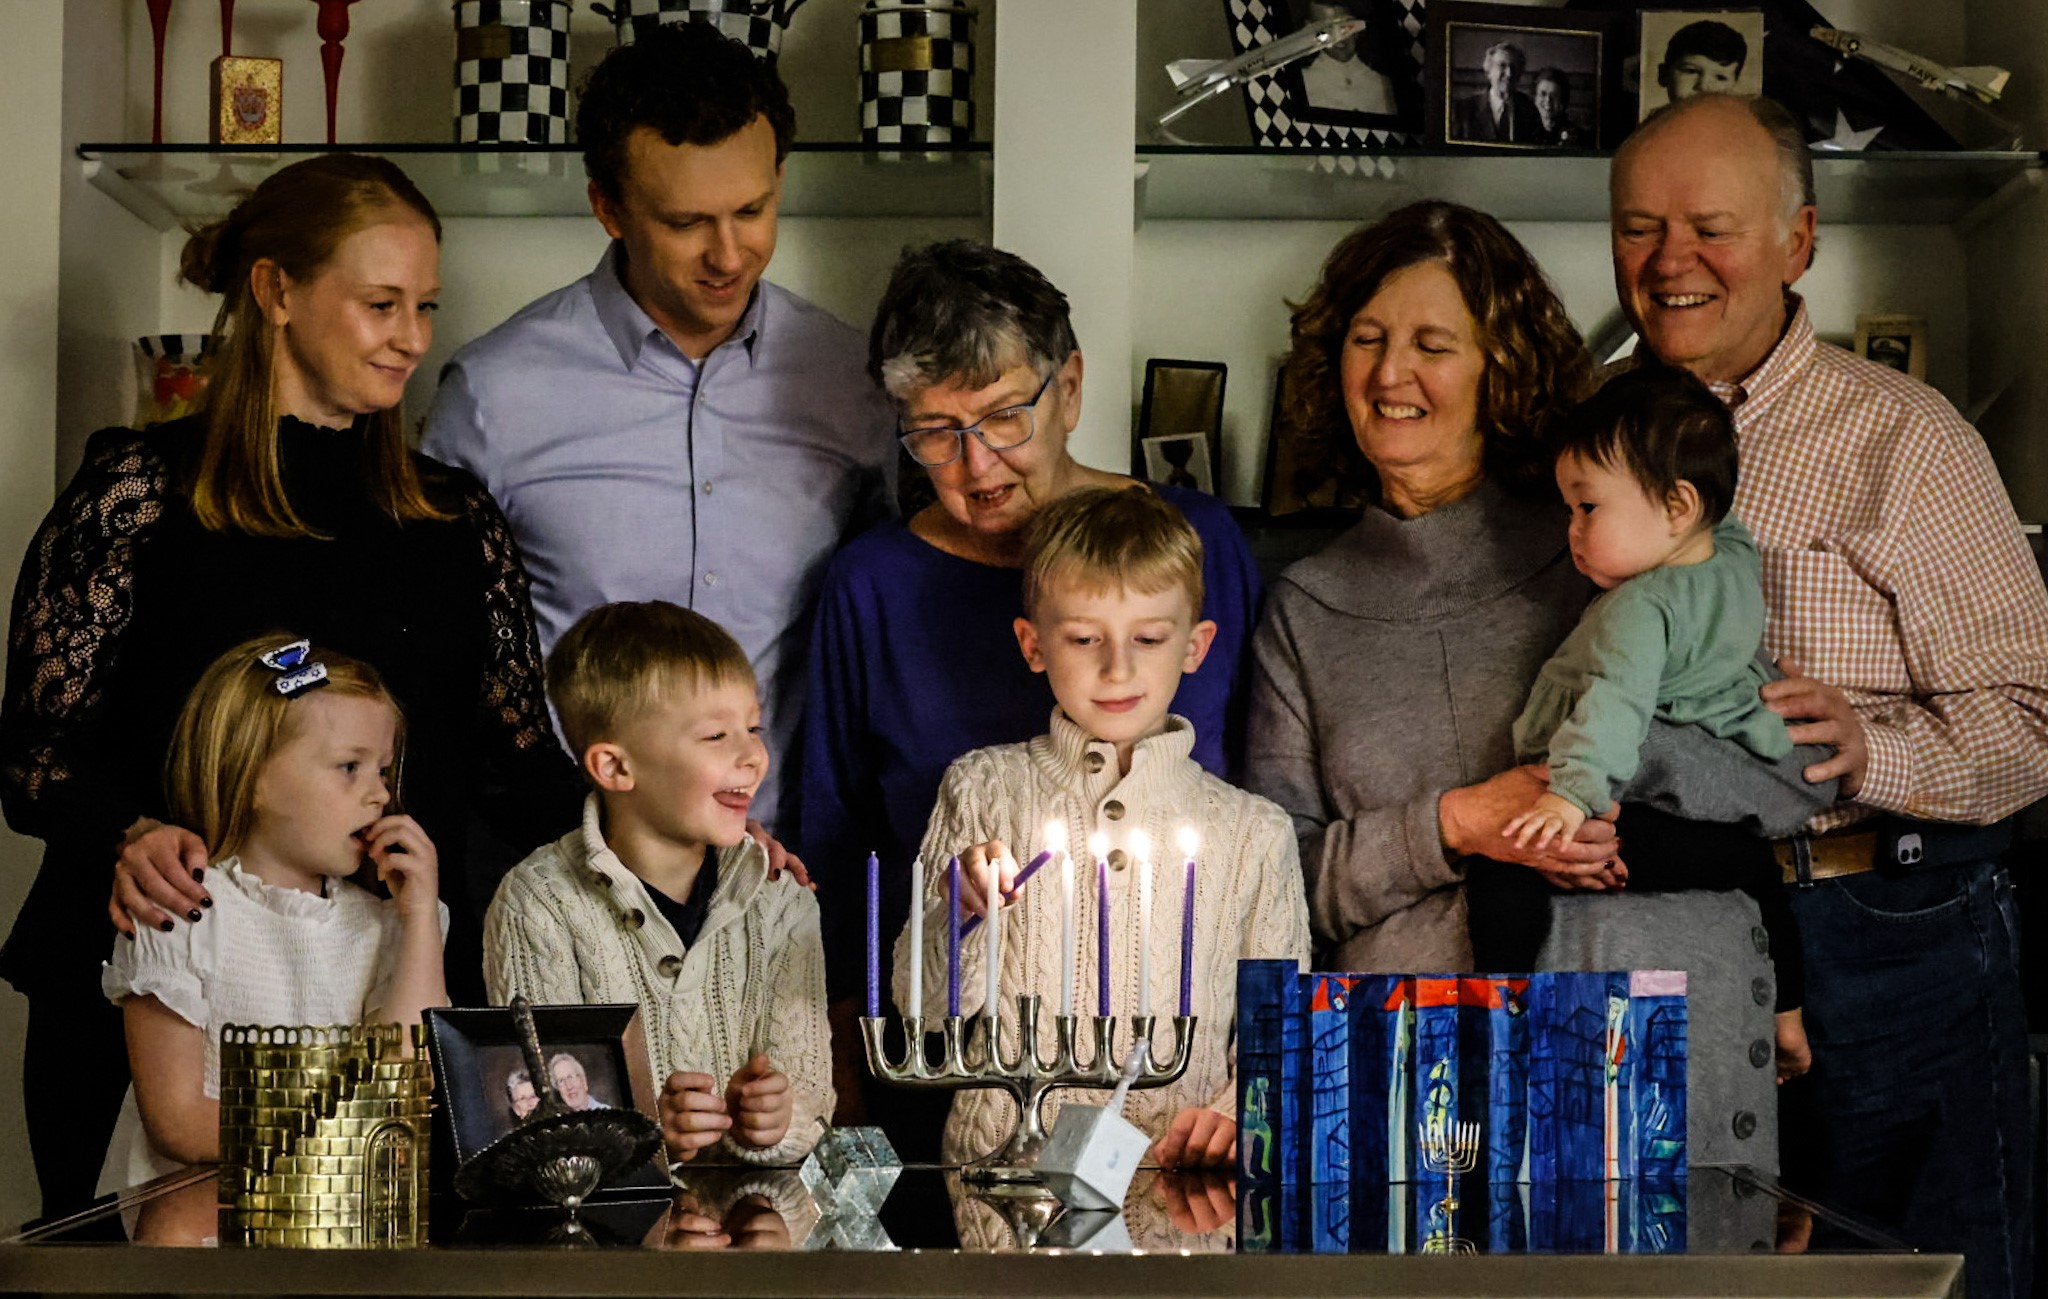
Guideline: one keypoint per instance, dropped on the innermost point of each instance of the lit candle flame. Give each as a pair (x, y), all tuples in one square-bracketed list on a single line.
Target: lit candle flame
[(1141, 845), (1055, 836), (1098, 845), (1187, 840)]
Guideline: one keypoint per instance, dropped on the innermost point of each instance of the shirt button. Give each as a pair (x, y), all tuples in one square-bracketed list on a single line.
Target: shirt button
[(711, 579), (707, 487), (670, 966), (1092, 762), (636, 918), (1760, 991), (1113, 810), (1759, 1053), (1760, 938), (1118, 859), (1744, 1125)]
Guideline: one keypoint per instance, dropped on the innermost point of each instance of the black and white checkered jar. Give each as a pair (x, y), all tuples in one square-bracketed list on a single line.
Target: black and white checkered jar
[(753, 23), (512, 71), (916, 73)]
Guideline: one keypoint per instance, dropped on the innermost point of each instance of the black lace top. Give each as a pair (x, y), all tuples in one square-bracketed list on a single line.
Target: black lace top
[(124, 599)]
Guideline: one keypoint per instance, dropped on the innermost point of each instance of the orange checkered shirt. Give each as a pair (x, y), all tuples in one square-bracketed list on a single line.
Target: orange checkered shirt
[(1894, 568)]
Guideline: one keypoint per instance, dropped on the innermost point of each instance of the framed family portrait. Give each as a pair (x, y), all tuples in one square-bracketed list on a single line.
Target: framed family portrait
[(1515, 77), (596, 1056), (1894, 340), (1687, 52), (1363, 93)]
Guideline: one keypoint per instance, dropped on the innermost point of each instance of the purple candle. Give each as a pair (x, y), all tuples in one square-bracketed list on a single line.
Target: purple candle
[(953, 939), (1100, 844), (1016, 886), (875, 936), (1187, 926)]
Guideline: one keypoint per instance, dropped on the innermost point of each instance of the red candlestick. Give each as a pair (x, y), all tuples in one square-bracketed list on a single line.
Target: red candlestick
[(227, 28), (333, 29), (159, 25)]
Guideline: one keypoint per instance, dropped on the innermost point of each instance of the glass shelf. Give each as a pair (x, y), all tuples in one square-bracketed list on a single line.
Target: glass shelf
[(1232, 184), (170, 186)]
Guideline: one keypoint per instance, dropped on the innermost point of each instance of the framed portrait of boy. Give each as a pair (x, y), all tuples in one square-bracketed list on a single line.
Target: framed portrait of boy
[(1894, 340), (1514, 77), (1361, 93), (596, 1057), (1687, 52)]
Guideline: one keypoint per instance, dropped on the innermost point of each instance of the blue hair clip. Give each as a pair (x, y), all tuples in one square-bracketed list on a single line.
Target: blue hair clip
[(299, 672)]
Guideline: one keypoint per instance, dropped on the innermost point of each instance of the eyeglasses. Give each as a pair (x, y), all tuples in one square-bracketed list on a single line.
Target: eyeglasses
[(999, 430)]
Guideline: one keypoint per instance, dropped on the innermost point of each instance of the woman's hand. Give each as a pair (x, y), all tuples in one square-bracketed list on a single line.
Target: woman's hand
[(159, 870), (1470, 820), (406, 864), (780, 859), (974, 877)]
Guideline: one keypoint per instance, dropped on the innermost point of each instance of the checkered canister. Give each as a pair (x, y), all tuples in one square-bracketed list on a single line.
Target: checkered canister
[(512, 71), (916, 73), (754, 24)]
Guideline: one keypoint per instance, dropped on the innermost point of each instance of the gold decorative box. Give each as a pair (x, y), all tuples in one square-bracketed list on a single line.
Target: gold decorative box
[(324, 1133), (248, 100)]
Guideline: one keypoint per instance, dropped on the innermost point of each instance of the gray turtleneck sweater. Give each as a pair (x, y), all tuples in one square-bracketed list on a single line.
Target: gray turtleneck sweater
[(1388, 669)]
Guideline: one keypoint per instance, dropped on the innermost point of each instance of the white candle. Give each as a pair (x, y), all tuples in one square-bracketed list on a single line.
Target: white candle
[(916, 941), (1066, 930), (1141, 850), (992, 950)]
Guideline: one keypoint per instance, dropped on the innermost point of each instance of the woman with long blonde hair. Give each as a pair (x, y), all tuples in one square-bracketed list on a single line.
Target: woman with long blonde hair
[(291, 500)]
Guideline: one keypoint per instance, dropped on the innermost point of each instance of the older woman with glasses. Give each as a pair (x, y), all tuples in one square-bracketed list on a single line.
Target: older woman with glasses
[(913, 660)]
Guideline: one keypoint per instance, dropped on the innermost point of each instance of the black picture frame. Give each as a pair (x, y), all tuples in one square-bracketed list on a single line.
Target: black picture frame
[(1298, 107), (1571, 55), (475, 1050), (1180, 397)]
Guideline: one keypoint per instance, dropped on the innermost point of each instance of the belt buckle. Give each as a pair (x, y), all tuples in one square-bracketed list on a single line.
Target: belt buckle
[(1802, 860)]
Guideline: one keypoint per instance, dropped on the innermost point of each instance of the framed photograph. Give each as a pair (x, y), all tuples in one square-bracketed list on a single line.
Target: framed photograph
[(1299, 473), (1363, 94), (1514, 77), (1180, 398), (1687, 52), (1181, 460), (1897, 341), (596, 1056)]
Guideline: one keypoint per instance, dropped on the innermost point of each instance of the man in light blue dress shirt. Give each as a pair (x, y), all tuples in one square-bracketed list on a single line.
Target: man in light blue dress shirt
[(672, 426)]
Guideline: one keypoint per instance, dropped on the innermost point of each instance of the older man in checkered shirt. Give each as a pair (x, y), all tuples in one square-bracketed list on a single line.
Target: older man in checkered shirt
[(1897, 577)]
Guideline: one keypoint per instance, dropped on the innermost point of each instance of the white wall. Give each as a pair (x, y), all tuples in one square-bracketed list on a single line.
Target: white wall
[(31, 80)]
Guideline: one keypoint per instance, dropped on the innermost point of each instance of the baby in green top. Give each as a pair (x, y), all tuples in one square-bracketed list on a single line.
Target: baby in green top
[(1648, 468)]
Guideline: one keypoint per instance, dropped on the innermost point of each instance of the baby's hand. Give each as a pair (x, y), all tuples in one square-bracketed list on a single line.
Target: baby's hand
[(1551, 818), (759, 1100), (974, 876), (406, 864), (692, 1114)]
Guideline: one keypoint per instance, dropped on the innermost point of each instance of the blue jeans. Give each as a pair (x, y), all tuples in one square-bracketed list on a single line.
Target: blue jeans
[(1919, 1086)]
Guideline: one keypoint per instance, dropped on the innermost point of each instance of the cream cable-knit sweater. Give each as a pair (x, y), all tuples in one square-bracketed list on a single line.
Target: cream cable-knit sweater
[(1248, 903), (572, 926)]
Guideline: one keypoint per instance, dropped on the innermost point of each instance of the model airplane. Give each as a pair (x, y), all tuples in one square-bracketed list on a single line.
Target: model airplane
[(1983, 84), (1198, 79)]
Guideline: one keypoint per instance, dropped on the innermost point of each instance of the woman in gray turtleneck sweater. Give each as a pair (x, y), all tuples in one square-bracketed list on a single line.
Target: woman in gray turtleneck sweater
[(1389, 669)]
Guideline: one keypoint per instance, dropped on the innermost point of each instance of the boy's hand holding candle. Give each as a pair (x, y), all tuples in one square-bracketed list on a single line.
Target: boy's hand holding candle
[(693, 1114), (974, 864)]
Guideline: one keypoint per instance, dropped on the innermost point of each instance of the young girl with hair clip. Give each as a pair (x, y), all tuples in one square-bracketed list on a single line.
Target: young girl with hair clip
[(285, 762), (290, 500)]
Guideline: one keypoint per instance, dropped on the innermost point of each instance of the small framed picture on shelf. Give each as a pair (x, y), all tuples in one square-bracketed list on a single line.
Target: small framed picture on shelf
[(1894, 340), (1362, 93), (1181, 399), (1304, 471), (1180, 460), (1514, 77), (596, 1056), (1687, 52)]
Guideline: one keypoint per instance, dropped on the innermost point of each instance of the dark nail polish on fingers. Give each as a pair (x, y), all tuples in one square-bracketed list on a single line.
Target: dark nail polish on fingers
[(199, 875), (206, 902), (193, 915), (166, 926)]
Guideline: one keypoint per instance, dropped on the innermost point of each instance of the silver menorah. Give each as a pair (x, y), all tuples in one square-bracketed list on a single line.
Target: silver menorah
[(970, 1059), (1450, 1149)]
